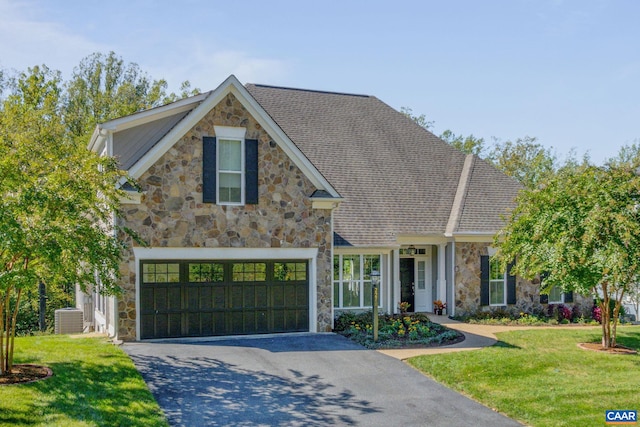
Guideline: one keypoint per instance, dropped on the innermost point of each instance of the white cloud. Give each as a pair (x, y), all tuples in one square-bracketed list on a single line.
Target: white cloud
[(31, 35), (207, 68), (28, 40)]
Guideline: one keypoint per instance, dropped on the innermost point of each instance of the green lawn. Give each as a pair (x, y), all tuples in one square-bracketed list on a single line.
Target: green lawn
[(541, 377), (94, 383)]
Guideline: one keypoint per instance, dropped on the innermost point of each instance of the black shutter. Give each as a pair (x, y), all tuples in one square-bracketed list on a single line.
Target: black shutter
[(484, 280), (544, 299), (209, 169), (251, 171), (511, 286), (568, 296)]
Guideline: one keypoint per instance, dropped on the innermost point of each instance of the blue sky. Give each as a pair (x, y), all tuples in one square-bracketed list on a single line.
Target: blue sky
[(566, 72)]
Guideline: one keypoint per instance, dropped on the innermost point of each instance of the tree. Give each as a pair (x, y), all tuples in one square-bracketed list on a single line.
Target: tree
[(468, 145), (103, 87), (581, 227), (525, 160), (420, 120), (56, 202)]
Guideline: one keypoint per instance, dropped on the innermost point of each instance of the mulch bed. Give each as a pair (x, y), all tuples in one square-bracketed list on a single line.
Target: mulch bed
[(619, 349), (21, 374)]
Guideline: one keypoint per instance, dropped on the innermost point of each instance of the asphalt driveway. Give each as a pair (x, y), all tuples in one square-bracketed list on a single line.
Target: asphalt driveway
[(297, 380)]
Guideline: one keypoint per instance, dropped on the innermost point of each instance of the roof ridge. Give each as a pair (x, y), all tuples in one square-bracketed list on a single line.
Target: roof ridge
[(308, 90), (461, 192)]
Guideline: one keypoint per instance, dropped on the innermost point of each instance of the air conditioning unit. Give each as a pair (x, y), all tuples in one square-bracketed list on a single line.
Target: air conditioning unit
[(68, 321)]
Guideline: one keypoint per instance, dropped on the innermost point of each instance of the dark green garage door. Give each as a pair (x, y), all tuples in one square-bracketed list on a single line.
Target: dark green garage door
[(207, 298)]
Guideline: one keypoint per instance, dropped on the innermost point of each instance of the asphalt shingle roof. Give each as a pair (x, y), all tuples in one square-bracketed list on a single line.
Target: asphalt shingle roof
[(396, 177), (489, 195)]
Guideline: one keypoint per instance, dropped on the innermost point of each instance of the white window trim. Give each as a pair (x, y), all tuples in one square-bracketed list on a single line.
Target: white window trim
[(550, 301), (231, 134), (361, 282), (504, 286)]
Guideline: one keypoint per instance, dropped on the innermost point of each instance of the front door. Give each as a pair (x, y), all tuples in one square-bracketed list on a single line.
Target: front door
[(407, 282), (415, 282)]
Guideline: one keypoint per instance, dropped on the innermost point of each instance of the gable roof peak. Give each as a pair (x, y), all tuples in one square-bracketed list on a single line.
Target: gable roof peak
[(179, 117)]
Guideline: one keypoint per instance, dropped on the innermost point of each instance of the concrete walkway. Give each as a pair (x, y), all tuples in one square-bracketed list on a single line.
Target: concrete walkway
[(476, 336)]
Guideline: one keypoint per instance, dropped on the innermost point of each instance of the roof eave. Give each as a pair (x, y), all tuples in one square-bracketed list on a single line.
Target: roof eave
[(153, 114), (473, 236)]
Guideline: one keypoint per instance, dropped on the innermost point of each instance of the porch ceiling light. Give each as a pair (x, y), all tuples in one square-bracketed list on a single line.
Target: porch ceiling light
[(411, 250)]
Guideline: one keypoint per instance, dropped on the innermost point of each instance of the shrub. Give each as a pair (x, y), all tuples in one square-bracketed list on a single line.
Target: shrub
[(550, 315), (576, 313), (393, 330), (564, 313)]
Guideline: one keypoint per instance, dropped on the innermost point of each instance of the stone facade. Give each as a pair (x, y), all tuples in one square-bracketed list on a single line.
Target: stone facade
[(172, 214), (467, 286)]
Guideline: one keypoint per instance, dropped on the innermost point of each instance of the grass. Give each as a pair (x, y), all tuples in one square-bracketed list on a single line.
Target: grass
[(541, 377), (94, 383)]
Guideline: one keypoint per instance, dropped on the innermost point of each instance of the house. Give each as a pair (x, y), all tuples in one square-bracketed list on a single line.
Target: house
[(266, 209)]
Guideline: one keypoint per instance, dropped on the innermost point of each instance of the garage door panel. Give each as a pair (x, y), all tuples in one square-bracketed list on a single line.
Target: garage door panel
[(205, 298), (223, 298), (302, 320), (147, 298), (279, 321), (236, 322), (219, 322), (261, 296), (219, 296), (161, 325), (277, 295), (193, 297), (147, 325), (248, 296), (174, 298), (206, 324), (236, 296), (193, 324), (160, 300), (289, 293), (262, 321), (175, 325), (302, 295)]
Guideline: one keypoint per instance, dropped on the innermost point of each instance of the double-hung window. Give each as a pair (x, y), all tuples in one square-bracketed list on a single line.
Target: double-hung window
[(556, 296), (497, 287), (230, 167), (497, 283), (230, 171)]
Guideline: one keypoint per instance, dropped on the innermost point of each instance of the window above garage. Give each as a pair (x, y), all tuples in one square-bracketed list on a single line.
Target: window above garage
[(230, 167)]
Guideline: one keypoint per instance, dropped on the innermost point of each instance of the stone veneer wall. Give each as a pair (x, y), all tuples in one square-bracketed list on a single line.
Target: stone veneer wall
[(467, 285), (172, 214)]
